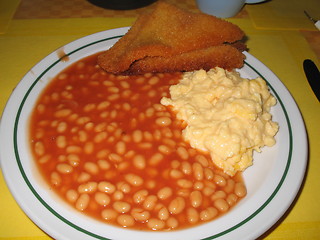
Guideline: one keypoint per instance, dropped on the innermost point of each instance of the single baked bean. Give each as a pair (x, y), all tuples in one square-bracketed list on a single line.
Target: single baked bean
[(186, 168), (197, 171), (163, 214), (109, 214), (88, 148), (183, 153), (44, 159), (117, 195), (196, 199), (91, 168), (72, 195), (83, 177), (218, 194), (153, 80), (125, 220), (39, 134), (106, 187), (149, 112), (172, 223), (140, 196), (157, 134), (113, 114), (155, 159), (87, 187), (169, 142), (240, 189), (207, 191), (174, 173), (175, 164), (124, 187), (198, 185), (184, 192), (183, 183), (164, 193), (121, 148), (41, 108), (72, 118), (155, 224), (103, 164), (208, 174), (115, 157), (39, 148), (64, 168), (159, 107), (140, 214), (113, 97), (147, 136), (89, 126), (124, 84), (166, 132), (126, 138), (100, 127), (55, 178), (229, 186), (150, 184), (100, 137), (177, 205), (208, 214), (221, 204), (108, 83), (139, 161), (113, 89), (73, 149), (150, 202), (83, 120), (164, 149), (126, 106), (121, 77), (192, 215), (62, 113), (126, 93), (121, 207), (89, 107), (62, 127), (152, 93), (102, 198), (163, 121), (73, 159), (66, 95), (202, 160), (82, 202), (232, 199), (219, 180), (137, 136), (134, 179)]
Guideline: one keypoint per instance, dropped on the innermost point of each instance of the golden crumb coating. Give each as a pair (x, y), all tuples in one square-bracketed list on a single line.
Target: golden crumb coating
[(224, 56), (167, 32)]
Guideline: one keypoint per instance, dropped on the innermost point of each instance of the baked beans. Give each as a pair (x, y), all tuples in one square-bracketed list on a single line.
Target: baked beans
[(110, 149)]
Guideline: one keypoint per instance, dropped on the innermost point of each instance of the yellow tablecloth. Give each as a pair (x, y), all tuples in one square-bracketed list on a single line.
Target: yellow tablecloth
[(282, 14), (283, 51)]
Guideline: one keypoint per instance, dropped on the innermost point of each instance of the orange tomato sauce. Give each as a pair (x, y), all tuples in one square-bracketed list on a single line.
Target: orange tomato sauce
[(107, 146)]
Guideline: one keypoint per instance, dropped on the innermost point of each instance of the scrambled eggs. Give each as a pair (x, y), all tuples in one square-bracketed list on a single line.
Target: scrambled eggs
[(226, 115)]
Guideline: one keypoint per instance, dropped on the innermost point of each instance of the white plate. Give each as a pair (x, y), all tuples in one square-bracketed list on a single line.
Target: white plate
[(272, 182)]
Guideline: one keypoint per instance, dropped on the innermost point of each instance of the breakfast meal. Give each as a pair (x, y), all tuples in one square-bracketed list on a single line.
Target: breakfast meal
[(154, 133), (170, 39)]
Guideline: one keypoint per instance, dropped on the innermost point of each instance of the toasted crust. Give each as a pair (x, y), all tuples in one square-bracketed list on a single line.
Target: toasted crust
[(223, 56), (167, 32)]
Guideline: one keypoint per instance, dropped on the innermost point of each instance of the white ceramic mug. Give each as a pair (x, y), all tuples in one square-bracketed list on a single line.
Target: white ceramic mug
[(223, 8)]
